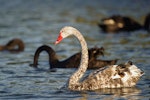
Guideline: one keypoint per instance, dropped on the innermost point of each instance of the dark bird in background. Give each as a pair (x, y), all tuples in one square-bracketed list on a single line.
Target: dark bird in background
[(119, 23), (73, 61), (14, 45)]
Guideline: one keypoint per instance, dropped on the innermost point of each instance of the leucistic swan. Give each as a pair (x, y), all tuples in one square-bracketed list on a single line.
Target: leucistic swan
[(115, 76)]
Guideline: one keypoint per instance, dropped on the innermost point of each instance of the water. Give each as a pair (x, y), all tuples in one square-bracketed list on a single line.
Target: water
[(38, 22)]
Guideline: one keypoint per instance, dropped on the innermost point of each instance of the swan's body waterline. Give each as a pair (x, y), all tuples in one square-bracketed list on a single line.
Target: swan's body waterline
[(114, 76)]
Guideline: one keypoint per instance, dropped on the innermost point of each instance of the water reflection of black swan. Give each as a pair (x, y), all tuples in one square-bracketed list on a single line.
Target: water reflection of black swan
[(73, 61), (119, 23), (14, 45)]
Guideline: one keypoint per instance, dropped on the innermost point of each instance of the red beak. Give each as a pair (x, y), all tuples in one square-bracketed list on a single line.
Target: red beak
[(59, 39)]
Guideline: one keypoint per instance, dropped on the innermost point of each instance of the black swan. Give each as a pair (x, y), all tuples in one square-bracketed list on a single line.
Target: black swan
[(113, 76), (119, 23), (14, 45), (73, 61)]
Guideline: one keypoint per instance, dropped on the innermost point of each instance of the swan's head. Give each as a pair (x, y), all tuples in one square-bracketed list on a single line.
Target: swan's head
[(65, 32), (127, 72)]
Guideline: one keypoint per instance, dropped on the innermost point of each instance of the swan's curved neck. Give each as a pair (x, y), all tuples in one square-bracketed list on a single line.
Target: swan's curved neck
[(15, 42), (51, 53), (75, 78)]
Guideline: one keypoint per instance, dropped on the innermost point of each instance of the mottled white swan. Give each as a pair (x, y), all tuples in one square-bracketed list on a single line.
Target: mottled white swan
[(115, 76)]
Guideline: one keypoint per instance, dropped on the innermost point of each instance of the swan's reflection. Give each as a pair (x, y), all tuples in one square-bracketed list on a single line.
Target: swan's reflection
[(109, 94), (120, 91)]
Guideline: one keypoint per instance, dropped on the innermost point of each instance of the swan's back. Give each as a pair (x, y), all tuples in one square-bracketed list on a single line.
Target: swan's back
[(115, 76)]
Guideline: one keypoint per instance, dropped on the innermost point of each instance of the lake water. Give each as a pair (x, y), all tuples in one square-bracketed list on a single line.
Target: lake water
[(38, 22)]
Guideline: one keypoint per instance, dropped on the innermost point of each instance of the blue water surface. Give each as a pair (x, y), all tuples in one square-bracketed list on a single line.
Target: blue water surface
[(38, 22)]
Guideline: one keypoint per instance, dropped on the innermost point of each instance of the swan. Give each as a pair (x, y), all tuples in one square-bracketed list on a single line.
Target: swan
[(74, 60), (14, 45), (117, 23), (114, 76)]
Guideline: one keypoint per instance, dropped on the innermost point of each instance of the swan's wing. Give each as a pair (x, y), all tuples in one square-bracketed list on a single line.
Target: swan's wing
[(103, 78), (98, 71), (93, 73), (109, 77)]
